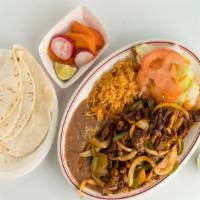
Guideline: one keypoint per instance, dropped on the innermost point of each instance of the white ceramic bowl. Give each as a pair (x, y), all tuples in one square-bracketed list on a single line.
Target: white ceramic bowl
[(23, 166), (84, 16), (82, 92)]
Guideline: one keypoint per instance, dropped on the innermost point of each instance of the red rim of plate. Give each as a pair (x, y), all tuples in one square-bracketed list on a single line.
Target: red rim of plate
[(72, 102)]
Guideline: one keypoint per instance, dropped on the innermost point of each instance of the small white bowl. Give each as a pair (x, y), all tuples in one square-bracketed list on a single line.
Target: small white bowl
[(191, 141), (25, 165), (83, 15)]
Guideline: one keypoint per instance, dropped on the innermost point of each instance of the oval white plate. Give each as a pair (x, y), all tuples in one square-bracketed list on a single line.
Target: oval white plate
[(25, 165), (82, 92)]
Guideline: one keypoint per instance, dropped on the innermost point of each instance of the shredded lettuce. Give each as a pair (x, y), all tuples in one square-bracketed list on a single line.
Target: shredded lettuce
[(189, 97), (142, 50)]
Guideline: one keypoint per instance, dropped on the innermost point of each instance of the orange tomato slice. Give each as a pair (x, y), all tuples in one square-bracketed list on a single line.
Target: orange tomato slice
[(98, 38), (83, 41), (159, 74), (80, 28)]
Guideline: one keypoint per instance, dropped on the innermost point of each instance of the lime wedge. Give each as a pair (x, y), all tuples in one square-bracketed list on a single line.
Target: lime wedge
[(198, 161), (64, 71)]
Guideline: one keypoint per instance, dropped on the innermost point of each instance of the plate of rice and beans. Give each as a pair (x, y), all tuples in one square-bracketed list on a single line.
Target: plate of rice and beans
[(133, 122)]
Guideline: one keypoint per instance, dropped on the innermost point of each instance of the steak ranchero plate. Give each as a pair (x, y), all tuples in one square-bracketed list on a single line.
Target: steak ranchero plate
[(82, 92)]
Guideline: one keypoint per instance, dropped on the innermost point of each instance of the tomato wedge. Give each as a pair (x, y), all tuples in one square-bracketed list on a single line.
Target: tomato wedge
[(161, 73)]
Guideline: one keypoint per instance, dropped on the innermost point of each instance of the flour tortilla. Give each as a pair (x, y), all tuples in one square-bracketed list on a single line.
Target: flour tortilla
[(27, 100), (3, 57), (10, 88), (5, 161), (8, 124), (38, 125)]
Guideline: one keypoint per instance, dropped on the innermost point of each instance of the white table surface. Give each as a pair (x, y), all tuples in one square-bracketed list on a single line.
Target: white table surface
[(26, 21)]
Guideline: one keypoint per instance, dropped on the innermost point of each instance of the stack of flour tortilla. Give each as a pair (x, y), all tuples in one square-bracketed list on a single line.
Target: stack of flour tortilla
[(26, 104)]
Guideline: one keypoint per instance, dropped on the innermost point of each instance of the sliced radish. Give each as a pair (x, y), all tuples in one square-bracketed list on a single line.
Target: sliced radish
[(62, 47), (83, 57)]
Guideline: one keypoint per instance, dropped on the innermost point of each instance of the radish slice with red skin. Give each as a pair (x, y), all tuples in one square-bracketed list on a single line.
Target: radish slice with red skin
[(62, 47), (83, 57)]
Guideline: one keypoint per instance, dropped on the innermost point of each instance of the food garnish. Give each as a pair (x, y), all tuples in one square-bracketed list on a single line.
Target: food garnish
[(83, 41), (80, 28), (161, 73), (61, 47), (64, 71), (75, 48), (83, 57), (166, 75)]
